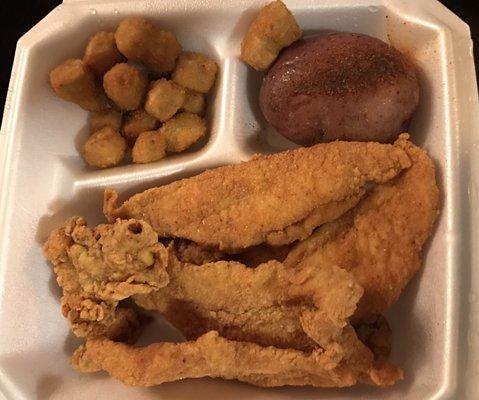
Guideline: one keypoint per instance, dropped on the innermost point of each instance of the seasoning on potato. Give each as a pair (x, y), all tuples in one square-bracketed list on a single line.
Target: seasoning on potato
[(136, 122), (74, 82), (182, 131), (195, 71), (164, 99), (194, 103), (149, 147), (273, 29), (340, 86), (138, 40), (108, 117), (101, 53), (126, 86), (104, 148)]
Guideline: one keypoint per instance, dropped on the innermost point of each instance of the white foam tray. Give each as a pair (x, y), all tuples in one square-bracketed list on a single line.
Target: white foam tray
[(43, 181)]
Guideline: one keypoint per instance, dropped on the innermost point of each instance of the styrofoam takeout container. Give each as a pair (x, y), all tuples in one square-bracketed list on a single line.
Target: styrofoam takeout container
[(43, 181)]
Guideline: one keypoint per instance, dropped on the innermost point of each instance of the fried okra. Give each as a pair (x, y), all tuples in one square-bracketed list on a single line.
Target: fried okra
[(273, 29), (194, 103), (104, 148), (74, 82), (138, 40), (149, 147), (195, 71), (182, 131), (126, 86), (101, 53), (108, 117), (136, 122), (164, 99)]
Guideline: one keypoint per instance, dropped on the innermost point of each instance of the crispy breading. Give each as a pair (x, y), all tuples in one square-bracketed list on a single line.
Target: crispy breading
[(268, 305), (183, 131), (324, 299), (324, 213), (149, 147), (108, 117), (105, 148), (272, 29), (343, 363), (239, 206), (136, 122), (101, 53), (300, 318), (191, 253), (140, 41), (73, 81), (96, 268), (195, 71), (380, 241), (164, 99), (195, 103)]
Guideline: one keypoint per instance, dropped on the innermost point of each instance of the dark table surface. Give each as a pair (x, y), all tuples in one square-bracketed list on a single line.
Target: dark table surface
[(18, 16)]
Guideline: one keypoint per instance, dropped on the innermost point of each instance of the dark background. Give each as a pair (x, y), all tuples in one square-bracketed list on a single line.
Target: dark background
[(18, 16)]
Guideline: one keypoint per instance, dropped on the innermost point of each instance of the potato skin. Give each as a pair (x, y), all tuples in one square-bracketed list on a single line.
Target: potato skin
[(339, 86)]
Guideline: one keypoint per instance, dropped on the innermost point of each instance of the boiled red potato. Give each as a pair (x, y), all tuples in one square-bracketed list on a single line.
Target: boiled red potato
[(340, 85)]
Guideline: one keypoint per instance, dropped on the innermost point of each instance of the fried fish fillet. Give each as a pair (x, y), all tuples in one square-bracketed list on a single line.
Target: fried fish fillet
[(342, 363), (275, 199), (380, 241), (267, 305), (190, 252), (328, 297), (98, 267)]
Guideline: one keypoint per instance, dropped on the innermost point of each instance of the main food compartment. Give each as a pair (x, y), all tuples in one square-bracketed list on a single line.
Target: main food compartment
[(45, 181)]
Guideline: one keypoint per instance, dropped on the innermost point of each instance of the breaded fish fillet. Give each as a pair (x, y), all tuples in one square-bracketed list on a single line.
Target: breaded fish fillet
[(380, 241), (268, 305), (98, 267), (343, 363), (328, 297), (275, 199)]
